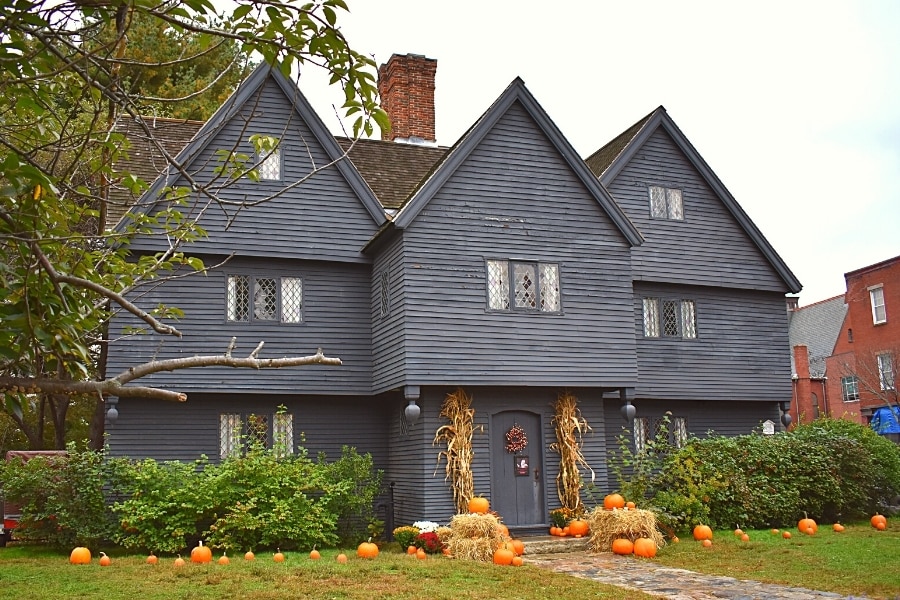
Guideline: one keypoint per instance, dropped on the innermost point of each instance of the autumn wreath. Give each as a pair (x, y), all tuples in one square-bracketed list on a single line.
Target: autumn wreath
[(516, 440)]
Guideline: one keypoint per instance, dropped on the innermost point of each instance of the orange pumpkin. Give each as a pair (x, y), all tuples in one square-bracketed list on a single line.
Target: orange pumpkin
[(702, 532), (644, 547), (249, 555), (314, 554), (278, 556), (630, 505), (342, 558), (565, 531), (479, 504), (421, 554), (622, 546), (517, 561), (223, 560), (152, 559), (878, 519), (838, 527), (411, 550), (503, 556), (807, 523), (518, 546), (179, 562), (80, 556), (579, 527), (786, 535), (367, 550), (201, 553), (745, 537), (775, 531), (706, 543), (105, 561), (738, 532), (503, 530), (881, 525), (554, 530), (611, 501)]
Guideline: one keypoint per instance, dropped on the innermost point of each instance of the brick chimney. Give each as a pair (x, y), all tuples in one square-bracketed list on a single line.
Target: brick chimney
[(406, 85)]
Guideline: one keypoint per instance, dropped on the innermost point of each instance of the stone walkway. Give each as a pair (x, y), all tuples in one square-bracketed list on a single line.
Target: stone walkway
[(677, 584)]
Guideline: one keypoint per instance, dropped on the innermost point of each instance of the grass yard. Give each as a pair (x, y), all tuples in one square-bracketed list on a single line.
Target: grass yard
[(34, 573), (858, 561)]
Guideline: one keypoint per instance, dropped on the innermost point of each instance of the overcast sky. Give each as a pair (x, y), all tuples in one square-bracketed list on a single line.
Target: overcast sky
[(794, 104)]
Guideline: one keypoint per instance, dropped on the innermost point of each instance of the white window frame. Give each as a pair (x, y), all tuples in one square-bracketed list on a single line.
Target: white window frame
[(885, 370), (502, 286), (250, 307), (876, 299), (666, 203), (850, 388), (685, 312)]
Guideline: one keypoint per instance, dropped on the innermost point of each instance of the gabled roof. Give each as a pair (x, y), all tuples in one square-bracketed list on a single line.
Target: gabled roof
[(608, 162), (245, 92), (515, 92), (817, 326)]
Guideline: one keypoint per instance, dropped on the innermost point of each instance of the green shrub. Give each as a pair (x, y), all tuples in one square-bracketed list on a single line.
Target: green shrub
[(356, 506)]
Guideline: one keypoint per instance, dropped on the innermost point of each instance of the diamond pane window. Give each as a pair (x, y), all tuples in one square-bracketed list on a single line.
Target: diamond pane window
[(673, 203), (670, 318), (549, 287), (238, 301), (640, 434), (258, 430), (270, 166), (291, 300), (658, 202), (651, 317), (666, 203), (498, 284), (283, 434), (385, 293), (265, 299), (526, 285), (229, 435), (680, 431), (688, 320)]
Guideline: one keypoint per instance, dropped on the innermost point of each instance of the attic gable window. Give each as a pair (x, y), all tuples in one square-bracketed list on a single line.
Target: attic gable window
[(666, 203), (264, 299), (270, 165), (879, 312), (523, 286), (669, 318)]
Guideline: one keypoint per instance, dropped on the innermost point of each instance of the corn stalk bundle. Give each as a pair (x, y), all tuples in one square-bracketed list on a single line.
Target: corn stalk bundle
[(474, 536), (570, 428), (457, 435), (609, 525)]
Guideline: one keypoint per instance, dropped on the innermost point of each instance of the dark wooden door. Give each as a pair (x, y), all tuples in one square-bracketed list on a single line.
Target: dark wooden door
[(517, 478)]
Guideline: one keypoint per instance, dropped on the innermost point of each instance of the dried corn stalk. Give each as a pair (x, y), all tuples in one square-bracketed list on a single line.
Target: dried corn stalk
[(457, 435), (570, 428)]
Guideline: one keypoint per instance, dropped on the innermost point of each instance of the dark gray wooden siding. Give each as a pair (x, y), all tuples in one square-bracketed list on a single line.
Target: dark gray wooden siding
[(515, 198), (320, 219), (741, 351), (720, 418), (336, 318), (183, 431), (388, 331), (708, 247), (421, 491)]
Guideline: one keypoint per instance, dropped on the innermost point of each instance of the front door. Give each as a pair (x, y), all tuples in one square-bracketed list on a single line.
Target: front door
[(517, 469)]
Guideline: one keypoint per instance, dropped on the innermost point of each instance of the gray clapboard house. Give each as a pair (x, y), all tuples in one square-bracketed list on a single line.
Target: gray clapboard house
[(504, 265)]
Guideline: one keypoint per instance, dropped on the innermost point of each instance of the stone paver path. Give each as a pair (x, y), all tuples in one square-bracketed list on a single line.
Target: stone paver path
[(677, 584)]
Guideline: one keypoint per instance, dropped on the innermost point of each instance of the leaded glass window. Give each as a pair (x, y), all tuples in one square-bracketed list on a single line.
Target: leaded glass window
[(688, 320), (229, 435), (526, 285), (498, 284), (265, 299), (273, 299), (270, 165), (283, 434), (238, 303), (258, 430), (676, 318), (385, 282), (291, 300), (651, 317), (670, 318), (549, 287), (666, 203)]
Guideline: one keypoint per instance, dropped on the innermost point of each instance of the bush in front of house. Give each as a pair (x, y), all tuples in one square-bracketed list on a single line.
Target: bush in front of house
[(830, 469)]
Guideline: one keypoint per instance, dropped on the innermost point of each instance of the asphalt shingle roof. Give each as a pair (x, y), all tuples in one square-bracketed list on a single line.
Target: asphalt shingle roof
[(817, 326)]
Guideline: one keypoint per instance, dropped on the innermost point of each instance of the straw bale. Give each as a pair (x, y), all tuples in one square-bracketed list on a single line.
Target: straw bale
[(444, 533), (608, 525), (473, 536), (481, 549)]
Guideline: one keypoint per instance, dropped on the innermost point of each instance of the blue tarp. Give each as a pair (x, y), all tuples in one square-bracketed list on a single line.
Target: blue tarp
[(886, 420)]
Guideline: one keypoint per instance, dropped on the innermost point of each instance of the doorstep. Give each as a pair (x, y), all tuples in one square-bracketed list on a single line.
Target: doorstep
[(553, 544)]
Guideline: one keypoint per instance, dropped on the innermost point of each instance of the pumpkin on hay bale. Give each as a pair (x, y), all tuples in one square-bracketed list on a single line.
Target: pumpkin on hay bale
[(609, 525), (473, 537)]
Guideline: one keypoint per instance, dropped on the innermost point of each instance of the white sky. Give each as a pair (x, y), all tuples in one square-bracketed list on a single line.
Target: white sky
[(794, 104)]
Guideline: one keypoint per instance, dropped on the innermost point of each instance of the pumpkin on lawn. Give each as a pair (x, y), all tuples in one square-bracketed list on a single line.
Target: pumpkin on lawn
[(367, 550), (503, 556), (105, 561), (702, 532), (201, 553), (644, 547), (223, 560), (807, 525), (80, 556), (152, 559), (878, 522)]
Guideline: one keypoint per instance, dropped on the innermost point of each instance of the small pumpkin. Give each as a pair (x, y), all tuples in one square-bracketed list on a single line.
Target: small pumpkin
[(479, 504), (775, 531), (838, 527), (80, 556), (611, 501), (249, 555), (223, 560), (503, 530), (278, 556), (622, 546), (630, 505), (503, 556), (367, 549), (517, 561), (411, 550), (745, 537), (152, 559), (806, 523), (738, 532), (702, 532), (315, 554), (201, 553), (579, 527), (179, 562), (554, 530), (565, 531), (644, 547), (786, 535), (518, 546), (421, 554), (342, 558), (878, 519), (105, 561), (707, 543)]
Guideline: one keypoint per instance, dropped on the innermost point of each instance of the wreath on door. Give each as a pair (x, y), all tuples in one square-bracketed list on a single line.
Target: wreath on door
[(516, 440)]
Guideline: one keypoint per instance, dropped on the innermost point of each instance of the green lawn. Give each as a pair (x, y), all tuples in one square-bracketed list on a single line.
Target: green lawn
[(858, 561)]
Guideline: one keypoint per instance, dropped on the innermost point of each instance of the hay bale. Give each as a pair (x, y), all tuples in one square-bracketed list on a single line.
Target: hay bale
[(608, 525), (444, 533), (473, 537)]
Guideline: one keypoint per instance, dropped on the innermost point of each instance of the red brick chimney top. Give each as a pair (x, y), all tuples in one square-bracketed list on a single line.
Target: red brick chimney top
[(406, 86)]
